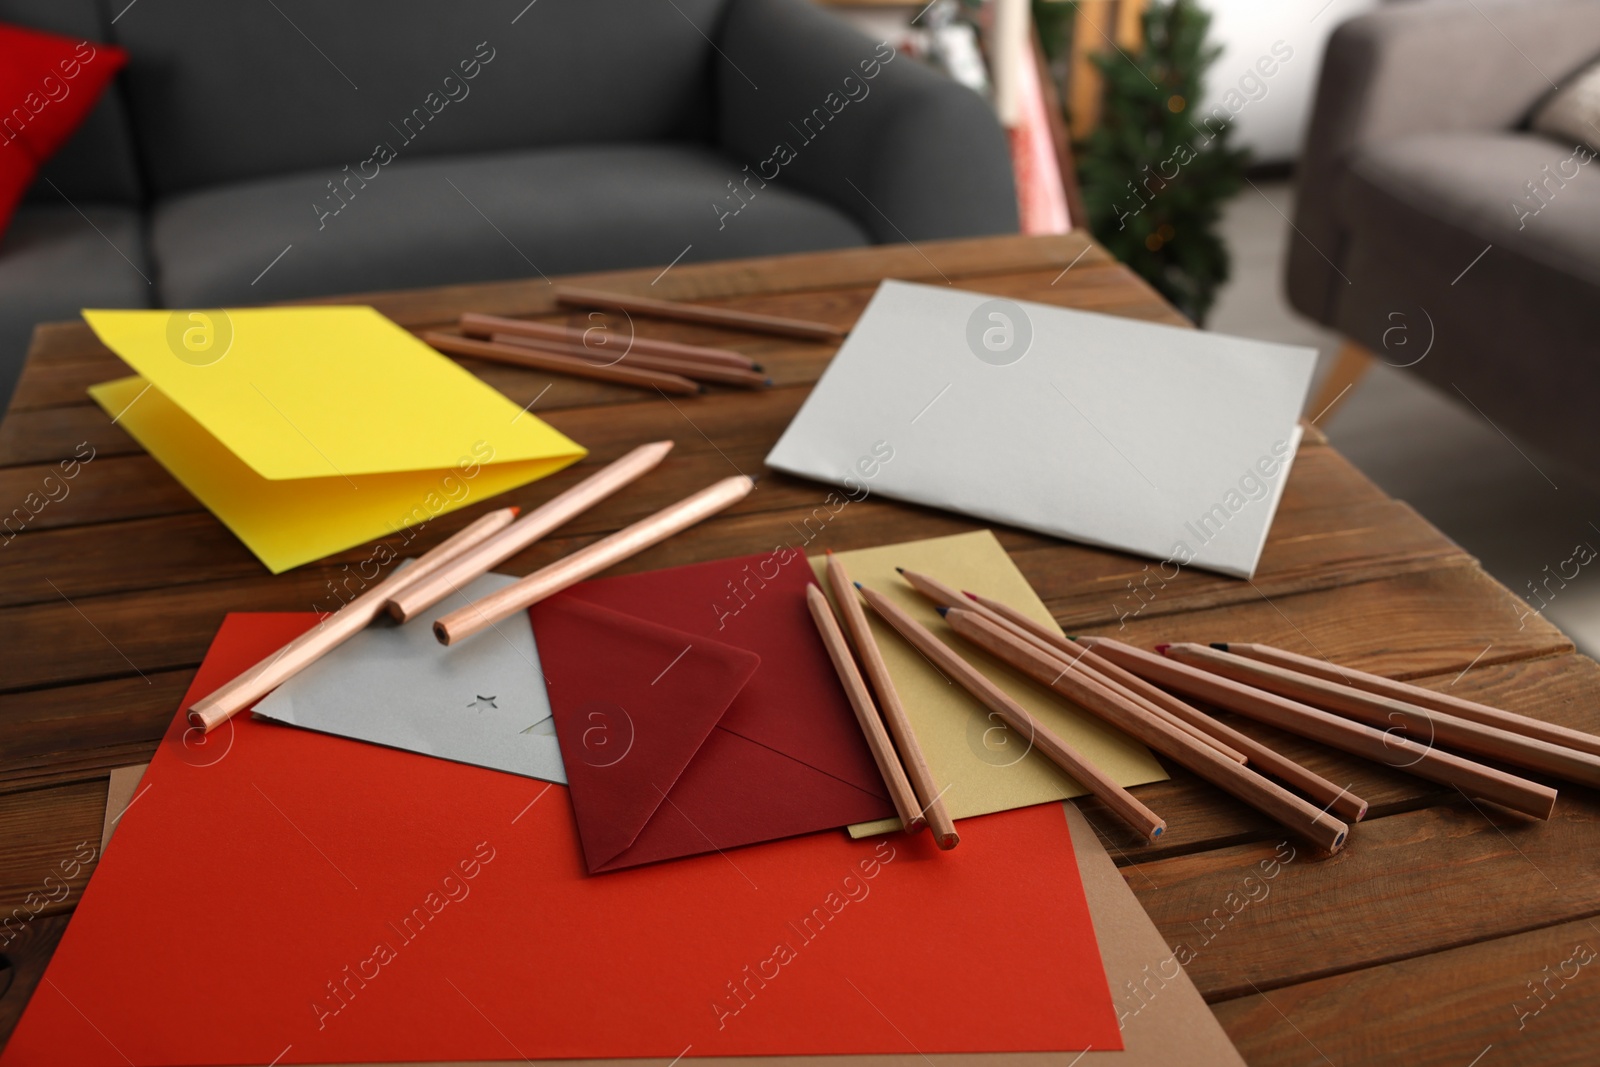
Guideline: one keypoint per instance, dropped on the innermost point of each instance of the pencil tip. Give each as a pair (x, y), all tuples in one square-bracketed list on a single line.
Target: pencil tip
[(899, 570), (857, 585), (758, 368), (515, 510), (970, 595), (1162, 649), (1220, 646), (828, 551), (767, 382), (942, 612)]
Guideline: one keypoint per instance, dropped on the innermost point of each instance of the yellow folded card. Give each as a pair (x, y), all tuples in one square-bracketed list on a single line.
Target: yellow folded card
[(310, 430), (982, 765)]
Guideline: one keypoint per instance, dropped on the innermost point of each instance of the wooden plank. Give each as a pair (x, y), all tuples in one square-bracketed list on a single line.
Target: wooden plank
[(1400, 888), (734, 431), (47, 435), (74, 719), (1526, 997), (49, 834), (1309, 548), (108, 489), (1434, 622)]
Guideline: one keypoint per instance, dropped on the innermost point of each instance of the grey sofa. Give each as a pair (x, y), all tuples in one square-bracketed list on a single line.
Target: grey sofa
[(270, 151), (1417, 152)]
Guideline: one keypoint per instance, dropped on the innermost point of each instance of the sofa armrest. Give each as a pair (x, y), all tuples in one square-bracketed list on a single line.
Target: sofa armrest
[(806, 100), (1429, 66)]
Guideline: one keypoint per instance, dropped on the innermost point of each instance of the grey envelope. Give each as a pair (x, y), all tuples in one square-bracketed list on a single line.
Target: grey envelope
[(481, 702), (1169, 443)]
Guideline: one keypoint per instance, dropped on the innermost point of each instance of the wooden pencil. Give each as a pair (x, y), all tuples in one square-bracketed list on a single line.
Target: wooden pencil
[(701, 372), (1389, 748), (421, 595), (1421, 697), (1268, 797), (629, 541), (1125, 805), (227, 700), (855, 687), (1383, 712), (1335, 798), (672, 309), (945, 596), (929, 794), (485, 326), (519, 356)]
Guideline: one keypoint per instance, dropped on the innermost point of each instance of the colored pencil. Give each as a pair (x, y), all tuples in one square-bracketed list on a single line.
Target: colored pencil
[(226, 701), (946, 597), (929, 795), (1335, 798), (702, 372), (1422, 698), (1125, 805), (1421, 723), (1389, 748), (672, 309), (1268, 797), (485, 326), (629, 541), (519, 356), (419, 596), (855, 687)]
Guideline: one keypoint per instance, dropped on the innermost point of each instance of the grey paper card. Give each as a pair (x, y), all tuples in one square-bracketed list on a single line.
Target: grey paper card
[(481, 702), (1166, 442)]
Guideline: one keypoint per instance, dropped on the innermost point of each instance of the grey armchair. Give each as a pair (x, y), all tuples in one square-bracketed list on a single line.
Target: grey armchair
[(257, 152), (1407, 227)]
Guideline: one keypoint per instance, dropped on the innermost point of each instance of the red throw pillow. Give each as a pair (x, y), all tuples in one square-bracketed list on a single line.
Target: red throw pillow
[(48, 85)]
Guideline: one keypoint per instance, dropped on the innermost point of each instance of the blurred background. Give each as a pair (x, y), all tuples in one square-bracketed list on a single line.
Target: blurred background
[(1218, 241), (1403, 185)]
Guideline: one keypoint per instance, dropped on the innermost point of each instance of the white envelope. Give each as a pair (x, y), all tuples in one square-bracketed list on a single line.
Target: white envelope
[(481, 702), (1156, 440)]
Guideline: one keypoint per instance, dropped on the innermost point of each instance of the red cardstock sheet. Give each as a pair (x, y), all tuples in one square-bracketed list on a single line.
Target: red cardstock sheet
[(276, 895), (686, 727)]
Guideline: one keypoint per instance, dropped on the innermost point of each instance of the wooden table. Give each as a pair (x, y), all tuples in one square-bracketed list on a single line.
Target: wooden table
[(1416, 944)]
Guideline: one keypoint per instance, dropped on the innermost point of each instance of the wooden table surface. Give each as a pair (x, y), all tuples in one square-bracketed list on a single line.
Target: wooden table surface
[(1442, 930)]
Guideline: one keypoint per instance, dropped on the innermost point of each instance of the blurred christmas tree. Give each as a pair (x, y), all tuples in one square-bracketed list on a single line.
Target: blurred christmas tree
[(1154, 174)]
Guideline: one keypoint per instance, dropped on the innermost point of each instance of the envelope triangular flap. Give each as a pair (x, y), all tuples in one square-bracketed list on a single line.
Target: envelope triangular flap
[(633, 702)]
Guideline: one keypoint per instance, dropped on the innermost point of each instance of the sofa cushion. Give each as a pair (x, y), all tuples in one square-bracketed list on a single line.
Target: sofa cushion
[(54, 262), (237, 91), (474, 218), (1521, 192), (48, 85), (97, 163)]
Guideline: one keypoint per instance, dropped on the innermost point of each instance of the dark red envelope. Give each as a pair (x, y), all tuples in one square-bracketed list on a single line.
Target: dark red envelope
[(729, 754)]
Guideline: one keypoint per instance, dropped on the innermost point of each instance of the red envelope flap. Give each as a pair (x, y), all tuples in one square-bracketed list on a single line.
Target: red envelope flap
[(795, 705), (633, 701)]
